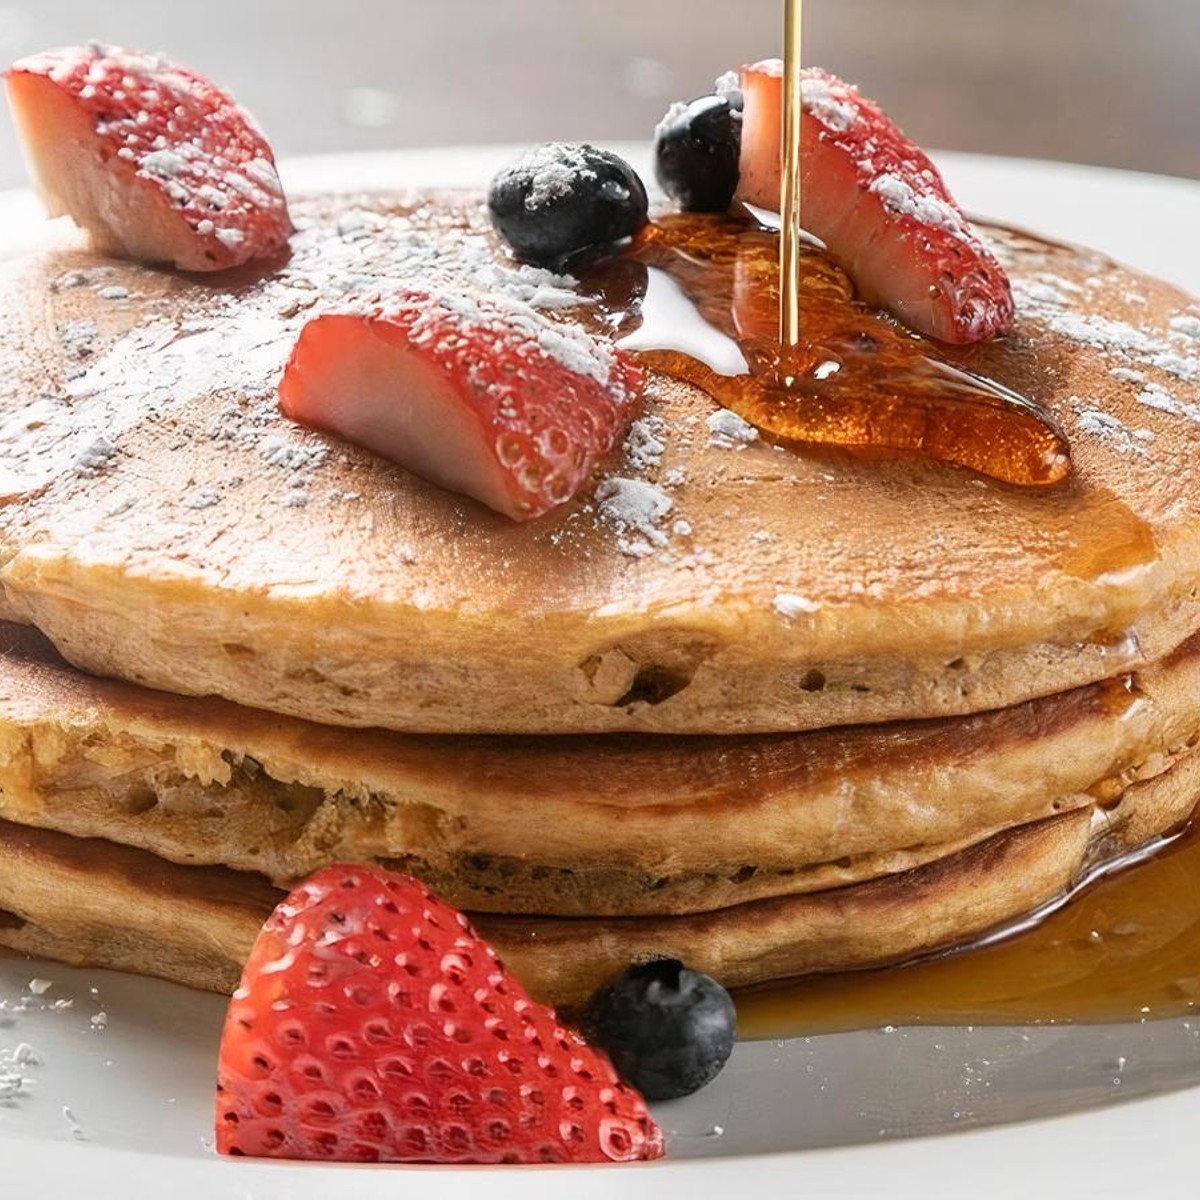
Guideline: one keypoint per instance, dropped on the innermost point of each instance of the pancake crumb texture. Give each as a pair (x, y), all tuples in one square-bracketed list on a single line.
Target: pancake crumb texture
[(625, 826), (104, 905)]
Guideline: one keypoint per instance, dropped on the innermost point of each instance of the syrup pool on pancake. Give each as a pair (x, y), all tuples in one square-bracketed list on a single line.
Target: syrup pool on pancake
[(890, 237), (706, 309)]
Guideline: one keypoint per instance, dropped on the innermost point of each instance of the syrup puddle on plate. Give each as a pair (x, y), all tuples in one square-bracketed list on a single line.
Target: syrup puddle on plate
[(1123, 948)]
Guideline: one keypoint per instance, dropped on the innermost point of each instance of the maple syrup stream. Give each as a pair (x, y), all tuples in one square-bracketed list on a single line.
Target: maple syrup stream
[(791, 230)]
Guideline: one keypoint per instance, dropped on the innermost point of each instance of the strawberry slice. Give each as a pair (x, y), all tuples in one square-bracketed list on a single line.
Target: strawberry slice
[(373, 1025), (149, 157), (482, 395), (878, 203)]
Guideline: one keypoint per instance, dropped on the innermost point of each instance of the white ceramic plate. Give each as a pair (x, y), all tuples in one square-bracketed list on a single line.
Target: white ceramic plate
[(110, 1093)]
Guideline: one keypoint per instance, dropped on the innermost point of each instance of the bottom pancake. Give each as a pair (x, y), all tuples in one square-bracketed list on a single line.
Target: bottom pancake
[(94, 903)]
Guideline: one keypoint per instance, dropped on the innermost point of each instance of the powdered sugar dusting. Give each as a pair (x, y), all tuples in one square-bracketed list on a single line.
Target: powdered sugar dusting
[(230, 238), (237, 344), (96, 455), (729, 431), (791, 607), (1187, 324), (534, 286), (19, 1061), (1128, 375), (554, 170), (175, 129), (1133, 350), (636, 510), (1106, 427), (675, 115), (200, 498), (571, 346), (728, 86), (1155, 396), (768, 66), (167, 163), (82, 429), (291, 455), (645, 444), (831, 101), (902, 199), (16, 1080)]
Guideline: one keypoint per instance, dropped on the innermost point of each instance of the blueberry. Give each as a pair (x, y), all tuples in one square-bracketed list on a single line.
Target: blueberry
[(668, 1030), (697, 152), (561, 198)]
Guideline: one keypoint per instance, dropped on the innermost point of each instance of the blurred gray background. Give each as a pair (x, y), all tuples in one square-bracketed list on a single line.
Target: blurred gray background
[(1113, 82)]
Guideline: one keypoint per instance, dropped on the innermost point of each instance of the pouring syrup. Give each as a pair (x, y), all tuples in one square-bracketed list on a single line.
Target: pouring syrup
[(791, 229), (817, 367)]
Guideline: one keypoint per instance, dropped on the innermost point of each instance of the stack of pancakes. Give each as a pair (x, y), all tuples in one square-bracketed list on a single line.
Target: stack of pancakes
[(771, 711)]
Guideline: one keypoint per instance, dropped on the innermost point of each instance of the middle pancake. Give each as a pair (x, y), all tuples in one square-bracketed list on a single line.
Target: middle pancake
[(567, 826)]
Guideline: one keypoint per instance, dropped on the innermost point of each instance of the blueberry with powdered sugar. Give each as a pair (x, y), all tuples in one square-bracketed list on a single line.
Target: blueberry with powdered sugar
[(561, 198), (697, 152)]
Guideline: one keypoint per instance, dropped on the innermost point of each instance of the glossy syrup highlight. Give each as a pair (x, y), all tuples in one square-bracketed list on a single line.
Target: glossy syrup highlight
[(817, 367), (696, 296)]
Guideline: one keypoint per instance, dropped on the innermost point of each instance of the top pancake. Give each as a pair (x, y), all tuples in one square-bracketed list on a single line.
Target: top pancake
[(163, 523)]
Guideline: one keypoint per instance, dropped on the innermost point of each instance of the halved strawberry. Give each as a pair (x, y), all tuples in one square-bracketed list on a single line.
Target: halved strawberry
[(878, 203), (373, 1025), (152, 159), (482, 395)]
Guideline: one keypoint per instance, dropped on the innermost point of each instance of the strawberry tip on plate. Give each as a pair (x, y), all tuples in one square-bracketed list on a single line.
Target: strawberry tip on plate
[(373, 1024)]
